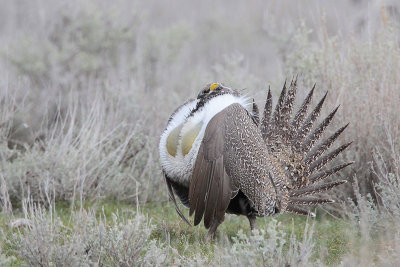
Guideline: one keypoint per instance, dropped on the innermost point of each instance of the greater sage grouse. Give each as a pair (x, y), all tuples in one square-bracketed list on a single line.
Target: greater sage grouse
[(218, 157)]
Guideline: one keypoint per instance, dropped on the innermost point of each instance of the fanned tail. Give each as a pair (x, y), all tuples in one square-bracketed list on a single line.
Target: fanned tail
[(295, 144)]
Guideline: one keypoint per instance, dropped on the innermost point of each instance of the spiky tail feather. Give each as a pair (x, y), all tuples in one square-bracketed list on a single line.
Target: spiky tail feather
[(291, 142)]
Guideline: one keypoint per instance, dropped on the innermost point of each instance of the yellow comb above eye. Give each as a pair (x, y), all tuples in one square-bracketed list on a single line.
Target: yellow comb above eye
[(213, 86)]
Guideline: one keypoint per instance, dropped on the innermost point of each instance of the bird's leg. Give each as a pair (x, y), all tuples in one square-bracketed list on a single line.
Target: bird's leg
[(212, 231), (253, 222)]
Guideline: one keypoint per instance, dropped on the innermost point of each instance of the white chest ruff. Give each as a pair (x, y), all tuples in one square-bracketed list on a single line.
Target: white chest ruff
[(180, 166)]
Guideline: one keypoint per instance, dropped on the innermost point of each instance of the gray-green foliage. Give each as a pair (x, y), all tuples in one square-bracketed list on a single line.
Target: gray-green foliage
[(268, 248), (45, 240), (4, 259), (80, 161), (75, 44)]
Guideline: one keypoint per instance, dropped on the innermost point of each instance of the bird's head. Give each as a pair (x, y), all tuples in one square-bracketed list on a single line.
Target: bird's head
[(211, 91), (215, 89)]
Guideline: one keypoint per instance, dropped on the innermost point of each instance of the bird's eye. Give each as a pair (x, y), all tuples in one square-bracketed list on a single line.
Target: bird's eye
[(203, 92)]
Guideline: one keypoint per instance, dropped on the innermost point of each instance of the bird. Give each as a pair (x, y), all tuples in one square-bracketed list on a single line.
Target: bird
[(218, 156)]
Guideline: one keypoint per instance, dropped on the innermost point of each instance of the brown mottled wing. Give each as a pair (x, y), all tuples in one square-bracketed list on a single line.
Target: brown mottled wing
[(232, 156), (211, 189), (247, 160)]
